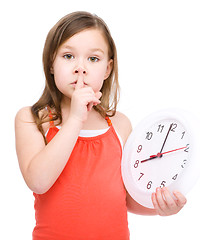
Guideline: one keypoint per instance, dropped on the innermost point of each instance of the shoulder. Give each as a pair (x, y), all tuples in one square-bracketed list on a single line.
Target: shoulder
[(122, 125), (24, 122), (27, 135), (24, 115)]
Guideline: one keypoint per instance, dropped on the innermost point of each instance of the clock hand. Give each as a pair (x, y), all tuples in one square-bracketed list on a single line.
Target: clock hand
[(159, 155), (151, 157), (166, 138)]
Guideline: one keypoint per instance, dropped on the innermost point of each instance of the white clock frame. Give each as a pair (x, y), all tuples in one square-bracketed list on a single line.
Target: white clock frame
[(191, 172)]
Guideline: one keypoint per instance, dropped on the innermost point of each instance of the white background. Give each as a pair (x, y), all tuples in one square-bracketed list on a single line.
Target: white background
[(158, 46)]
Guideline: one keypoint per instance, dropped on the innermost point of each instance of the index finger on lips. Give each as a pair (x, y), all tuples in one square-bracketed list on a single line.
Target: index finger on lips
[(80, 82)]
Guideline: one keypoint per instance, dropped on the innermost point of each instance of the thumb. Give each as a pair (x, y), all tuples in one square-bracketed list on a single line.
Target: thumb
[(80, 82)]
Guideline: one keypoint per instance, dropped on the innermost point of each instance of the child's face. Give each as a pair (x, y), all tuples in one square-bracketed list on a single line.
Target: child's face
[(84, 53)]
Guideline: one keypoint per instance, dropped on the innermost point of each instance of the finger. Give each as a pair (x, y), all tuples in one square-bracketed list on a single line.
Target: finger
[(181, 200), (154, 201), (160, 199), (98, 95), (90, 106), (156, 205), (80, 81), (170, 202), (94, 103)]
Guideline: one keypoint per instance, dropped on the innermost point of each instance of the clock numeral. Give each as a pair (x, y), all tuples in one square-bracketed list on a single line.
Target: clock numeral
[(139, 148), (187, 147), (163, 184), (149, 185), (160, 128), (149, 135), (141, 175), (174, 126), (184, 162), (136, 163), (183, 134), (175, 177)]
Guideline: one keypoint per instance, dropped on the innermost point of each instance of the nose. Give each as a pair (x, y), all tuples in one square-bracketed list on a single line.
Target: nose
[(80, 70)]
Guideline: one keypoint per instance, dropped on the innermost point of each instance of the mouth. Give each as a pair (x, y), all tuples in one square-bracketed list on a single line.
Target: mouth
[(75, 82)]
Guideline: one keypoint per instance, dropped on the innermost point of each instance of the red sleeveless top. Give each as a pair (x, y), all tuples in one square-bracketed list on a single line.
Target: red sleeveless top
[(88, 200)]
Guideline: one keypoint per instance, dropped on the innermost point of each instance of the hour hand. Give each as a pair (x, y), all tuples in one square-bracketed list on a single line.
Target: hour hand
[(151, 157)]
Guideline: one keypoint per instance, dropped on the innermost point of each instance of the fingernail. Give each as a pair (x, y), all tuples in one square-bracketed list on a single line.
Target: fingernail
[(158, 189), (175, 192)]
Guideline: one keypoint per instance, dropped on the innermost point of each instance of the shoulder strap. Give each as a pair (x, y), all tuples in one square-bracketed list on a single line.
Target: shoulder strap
[(51, 117), (108, 121)]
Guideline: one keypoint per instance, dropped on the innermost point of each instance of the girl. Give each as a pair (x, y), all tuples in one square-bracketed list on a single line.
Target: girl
[(69, 144)]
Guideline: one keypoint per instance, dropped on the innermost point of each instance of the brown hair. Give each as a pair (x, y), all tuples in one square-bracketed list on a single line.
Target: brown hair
[(64, 29)]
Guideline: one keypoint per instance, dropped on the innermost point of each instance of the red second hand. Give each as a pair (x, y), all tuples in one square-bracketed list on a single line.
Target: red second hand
[(160, 154)]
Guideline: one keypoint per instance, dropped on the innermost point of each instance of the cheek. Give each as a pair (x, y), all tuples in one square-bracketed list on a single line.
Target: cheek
[(60, 72), (61, 80), (97, 81), (58, 78), (97, 78), (58, 82)]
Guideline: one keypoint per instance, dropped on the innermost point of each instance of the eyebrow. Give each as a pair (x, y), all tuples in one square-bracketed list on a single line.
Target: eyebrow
[(91, 49), (97, 50)]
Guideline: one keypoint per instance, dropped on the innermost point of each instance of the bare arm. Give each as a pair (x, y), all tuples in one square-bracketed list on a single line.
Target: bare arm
[(136, 208), (41, 165)]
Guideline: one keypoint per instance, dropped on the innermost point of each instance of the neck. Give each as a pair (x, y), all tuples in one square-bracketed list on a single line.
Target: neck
[(65, 102)]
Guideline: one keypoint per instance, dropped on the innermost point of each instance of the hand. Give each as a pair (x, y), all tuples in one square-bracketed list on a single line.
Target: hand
[(165, 204), (83, 99)]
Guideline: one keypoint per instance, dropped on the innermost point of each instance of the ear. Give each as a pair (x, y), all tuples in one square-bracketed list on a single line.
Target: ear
[(109, 69), (51, 70)]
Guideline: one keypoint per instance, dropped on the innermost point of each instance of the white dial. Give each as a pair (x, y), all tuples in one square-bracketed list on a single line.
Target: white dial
[(162, 150), (161, 155)]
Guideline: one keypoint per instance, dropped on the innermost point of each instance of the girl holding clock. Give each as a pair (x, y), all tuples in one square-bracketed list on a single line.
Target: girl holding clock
[(69, 144)]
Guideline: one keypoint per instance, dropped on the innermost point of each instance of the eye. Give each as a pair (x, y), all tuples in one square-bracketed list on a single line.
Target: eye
[(68, 56), (93, 59)]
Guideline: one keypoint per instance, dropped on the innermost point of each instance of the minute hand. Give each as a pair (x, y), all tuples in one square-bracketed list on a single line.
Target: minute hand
[(158, 155), (166, 137)]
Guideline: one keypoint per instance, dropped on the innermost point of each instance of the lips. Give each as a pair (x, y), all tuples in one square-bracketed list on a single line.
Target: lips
[(75, 82)]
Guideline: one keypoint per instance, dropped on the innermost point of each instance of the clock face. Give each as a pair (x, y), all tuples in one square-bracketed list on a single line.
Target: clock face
[(162, 150), (160, 154)]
